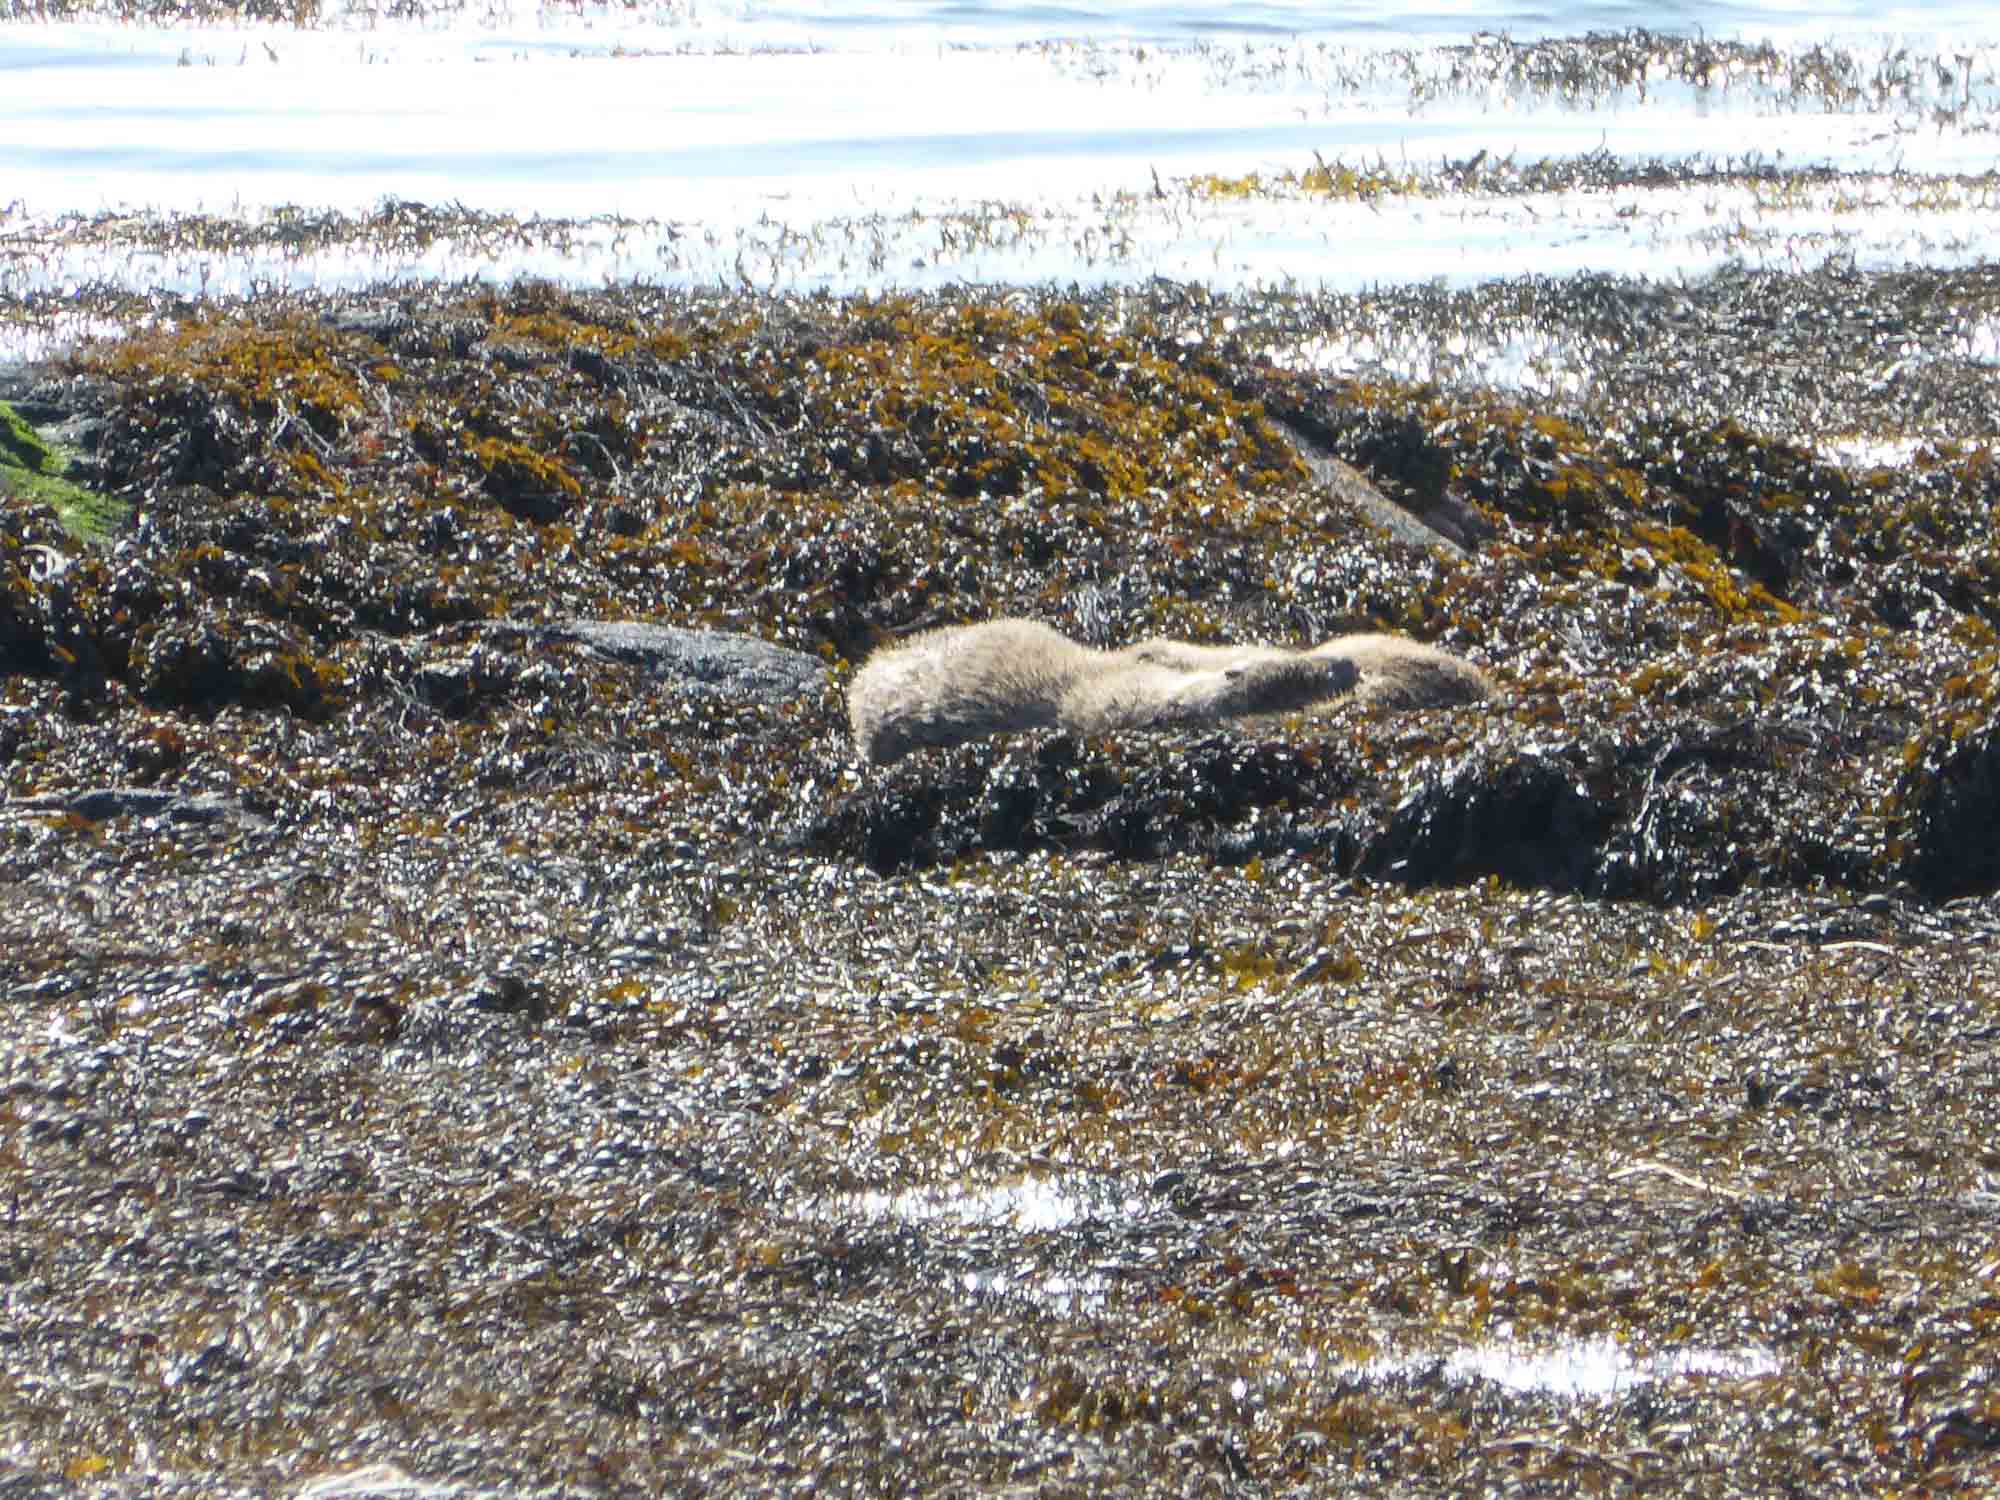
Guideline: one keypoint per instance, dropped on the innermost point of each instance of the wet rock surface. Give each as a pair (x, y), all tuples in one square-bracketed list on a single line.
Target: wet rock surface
[(101, 803), (736, 667), (558, 1067)]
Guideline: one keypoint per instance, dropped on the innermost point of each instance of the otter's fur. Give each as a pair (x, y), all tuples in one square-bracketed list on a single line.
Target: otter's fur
[(1395, 672), (969, 681)]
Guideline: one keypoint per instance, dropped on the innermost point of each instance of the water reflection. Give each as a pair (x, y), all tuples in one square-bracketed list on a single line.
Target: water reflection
[(1583, 1370), (1026, 1205), (1587, 1369), (382, 1482), (1032, 1205), (1059, 1294)]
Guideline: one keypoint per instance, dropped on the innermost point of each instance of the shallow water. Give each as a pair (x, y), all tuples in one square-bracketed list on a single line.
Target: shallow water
[(1584, 1369), (919, 145), (1028, 1204), (1588, 1369)]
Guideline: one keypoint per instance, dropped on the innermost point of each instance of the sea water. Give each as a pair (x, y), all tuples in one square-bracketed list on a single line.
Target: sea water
[(922, 143)]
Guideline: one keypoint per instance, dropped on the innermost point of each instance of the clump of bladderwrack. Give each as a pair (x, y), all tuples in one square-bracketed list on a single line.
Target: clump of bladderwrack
[(1715, 627)]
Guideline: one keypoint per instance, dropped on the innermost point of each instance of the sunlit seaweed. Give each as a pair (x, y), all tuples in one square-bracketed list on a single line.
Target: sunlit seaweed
[(483, 1101)]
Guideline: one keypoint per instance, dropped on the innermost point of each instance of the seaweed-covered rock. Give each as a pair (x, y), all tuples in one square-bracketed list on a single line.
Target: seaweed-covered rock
[(1703, 631), (229, 659), (1529, 819), (1233, 796), (1950, 803), (596, 1080)]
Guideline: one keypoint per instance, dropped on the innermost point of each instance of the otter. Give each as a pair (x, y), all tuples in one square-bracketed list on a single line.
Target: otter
[(1395, 672), (965, 682)]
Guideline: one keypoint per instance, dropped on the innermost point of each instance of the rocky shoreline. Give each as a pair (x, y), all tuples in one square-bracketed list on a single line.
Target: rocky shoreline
[(469, 1010)]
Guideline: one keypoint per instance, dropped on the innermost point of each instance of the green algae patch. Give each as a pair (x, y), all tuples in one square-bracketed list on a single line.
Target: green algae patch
[(21, 446), (32, 470)]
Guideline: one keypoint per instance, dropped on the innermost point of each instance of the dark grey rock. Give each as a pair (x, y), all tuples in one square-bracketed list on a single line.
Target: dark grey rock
[(35, 390), (1445, 524), (100, 804), (738, 667)]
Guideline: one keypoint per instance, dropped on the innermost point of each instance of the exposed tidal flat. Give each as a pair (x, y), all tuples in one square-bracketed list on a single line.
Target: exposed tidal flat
[(472, 1026), (447, 1034)]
